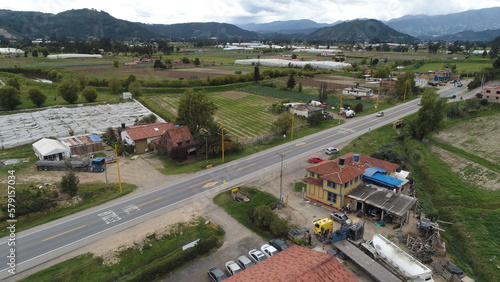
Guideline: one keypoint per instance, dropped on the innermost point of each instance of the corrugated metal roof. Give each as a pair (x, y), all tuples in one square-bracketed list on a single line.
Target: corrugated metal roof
[(383, 198)]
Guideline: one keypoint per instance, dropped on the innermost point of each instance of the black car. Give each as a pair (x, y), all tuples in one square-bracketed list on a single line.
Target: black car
[(279, 244), (216, 274)]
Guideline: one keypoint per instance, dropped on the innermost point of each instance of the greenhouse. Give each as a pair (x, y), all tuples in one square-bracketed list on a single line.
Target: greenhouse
[(294, 64)]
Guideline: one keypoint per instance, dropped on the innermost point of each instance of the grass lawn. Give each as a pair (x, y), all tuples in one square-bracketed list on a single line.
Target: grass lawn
[(242, 211)]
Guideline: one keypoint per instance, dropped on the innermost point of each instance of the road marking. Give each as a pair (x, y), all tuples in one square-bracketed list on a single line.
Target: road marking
[(130, 208), (63, 233), (301, 144), (245, 166), (198, 184), (209, 184), (159, 198), (109, 216)]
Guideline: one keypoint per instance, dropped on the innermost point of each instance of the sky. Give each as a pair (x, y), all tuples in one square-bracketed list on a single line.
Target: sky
[(252, 11)]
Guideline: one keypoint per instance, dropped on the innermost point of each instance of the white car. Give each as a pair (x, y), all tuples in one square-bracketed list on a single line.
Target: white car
[(232, 268), (331, 150), (268, 250), (380, 114), (256, 255)]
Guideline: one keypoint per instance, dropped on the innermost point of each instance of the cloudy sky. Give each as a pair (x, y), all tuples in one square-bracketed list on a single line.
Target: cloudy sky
[(251, 11)]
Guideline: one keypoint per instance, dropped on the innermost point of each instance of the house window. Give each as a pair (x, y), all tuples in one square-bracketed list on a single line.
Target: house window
[(488, 91), (356, 179), (332, 197), (179, 143), (188, 141), (330, 184)]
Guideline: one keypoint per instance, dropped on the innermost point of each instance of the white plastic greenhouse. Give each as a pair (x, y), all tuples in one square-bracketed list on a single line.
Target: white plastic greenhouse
[(288, 63), (28, 127)]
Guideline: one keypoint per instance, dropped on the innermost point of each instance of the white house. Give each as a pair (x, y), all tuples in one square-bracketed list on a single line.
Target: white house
[(359, 91)]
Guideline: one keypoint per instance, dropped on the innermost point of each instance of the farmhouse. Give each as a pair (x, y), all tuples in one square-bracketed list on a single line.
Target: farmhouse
[(140, 136), (305, 110), (328, 182), (176, 138), (357, 91), (491, 93)]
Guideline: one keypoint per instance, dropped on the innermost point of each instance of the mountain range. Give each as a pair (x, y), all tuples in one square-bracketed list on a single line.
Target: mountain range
[(472, 25)]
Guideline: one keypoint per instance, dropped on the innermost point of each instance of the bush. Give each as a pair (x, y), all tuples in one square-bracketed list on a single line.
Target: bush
[(279, 227), (263, 216)]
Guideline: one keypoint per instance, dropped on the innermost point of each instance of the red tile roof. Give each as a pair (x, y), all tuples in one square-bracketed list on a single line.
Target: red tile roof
[(296, 264), (331, 170), (179, 134), (144, 131)]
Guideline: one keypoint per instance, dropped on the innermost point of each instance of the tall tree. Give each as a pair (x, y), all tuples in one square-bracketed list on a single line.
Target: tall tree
[(290, 84), (9, 97), (256, 74), (115, 85), (195, 110), (135, 88), (69, 89), (323, 92), (69, 181), (196, 62), (14, 82), (429, 116), (37, 96), (405, 85)]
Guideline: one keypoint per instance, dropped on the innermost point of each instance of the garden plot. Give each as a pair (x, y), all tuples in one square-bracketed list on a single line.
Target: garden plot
[(28, 127)]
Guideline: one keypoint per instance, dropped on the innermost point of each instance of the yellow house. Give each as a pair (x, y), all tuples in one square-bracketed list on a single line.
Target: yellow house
[(328, 182)]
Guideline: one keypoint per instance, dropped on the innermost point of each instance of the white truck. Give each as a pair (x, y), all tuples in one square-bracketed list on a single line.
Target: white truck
[(401, 261)]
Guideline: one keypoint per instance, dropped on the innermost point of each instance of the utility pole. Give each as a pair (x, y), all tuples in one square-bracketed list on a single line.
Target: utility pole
[(281, 174), (118, 166), (222, 130)]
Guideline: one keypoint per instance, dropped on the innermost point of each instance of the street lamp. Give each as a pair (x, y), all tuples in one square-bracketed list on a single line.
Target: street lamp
[(281, 174)]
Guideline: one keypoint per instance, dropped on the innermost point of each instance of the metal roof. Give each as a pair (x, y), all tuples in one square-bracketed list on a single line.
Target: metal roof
[(383, 198)]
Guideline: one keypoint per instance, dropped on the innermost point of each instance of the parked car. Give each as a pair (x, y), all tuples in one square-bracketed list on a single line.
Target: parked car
[(232, 268), (331, 150), (452, 96), (279, 244), (341, 218), (459, 84), (216, 275), (256, 255), (380, 114), (268, 250), (315, 159), (245, 262)]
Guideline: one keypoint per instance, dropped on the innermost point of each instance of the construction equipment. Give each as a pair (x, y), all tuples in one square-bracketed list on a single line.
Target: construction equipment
[(323, 229), (94, 165)]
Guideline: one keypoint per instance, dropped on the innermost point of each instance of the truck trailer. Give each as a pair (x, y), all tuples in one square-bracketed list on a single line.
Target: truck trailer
[(94, 165)]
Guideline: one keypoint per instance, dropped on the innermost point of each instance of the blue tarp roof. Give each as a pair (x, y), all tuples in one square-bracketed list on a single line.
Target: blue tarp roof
[(95, 138), (376, 177)]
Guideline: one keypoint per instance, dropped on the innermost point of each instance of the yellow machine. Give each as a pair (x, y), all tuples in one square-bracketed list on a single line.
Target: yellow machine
[(323, 226)]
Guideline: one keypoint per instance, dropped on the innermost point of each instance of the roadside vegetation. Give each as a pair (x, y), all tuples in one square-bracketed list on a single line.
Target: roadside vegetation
[(151, 259)]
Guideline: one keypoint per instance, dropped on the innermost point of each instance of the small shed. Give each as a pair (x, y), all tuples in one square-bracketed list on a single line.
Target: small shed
[(50, 149), (83, 144), (127, 95)]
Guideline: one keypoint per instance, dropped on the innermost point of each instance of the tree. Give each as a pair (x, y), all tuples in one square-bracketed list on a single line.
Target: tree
[(69, 89), (429, 116), (14, 82), (89, 93), (131, 78), (69, 181), (358, 108), (135, 88), (323, 92), (196, 62), (291, 82), (37, 97), (300, 87), (115, 63), (279, 227), (9, 97), (195, 110), (263, 216), (315, 119), (405, 85), (256, 74), (152, 118), (283, 124), (82, 81), (278, 107), (115, 86), (185, 60)]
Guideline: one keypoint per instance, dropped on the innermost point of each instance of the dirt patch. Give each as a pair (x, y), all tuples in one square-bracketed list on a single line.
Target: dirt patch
[(470, 172), (479, 136)]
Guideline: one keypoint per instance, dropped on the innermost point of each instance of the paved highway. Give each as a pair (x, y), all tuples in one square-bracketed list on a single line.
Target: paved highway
[(44, 243)]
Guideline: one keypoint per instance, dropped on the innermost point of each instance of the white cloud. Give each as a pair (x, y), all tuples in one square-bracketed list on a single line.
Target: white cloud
[(252, 11)]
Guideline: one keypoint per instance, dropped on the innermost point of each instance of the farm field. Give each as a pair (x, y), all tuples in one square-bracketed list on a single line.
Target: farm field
[(246, 116)]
